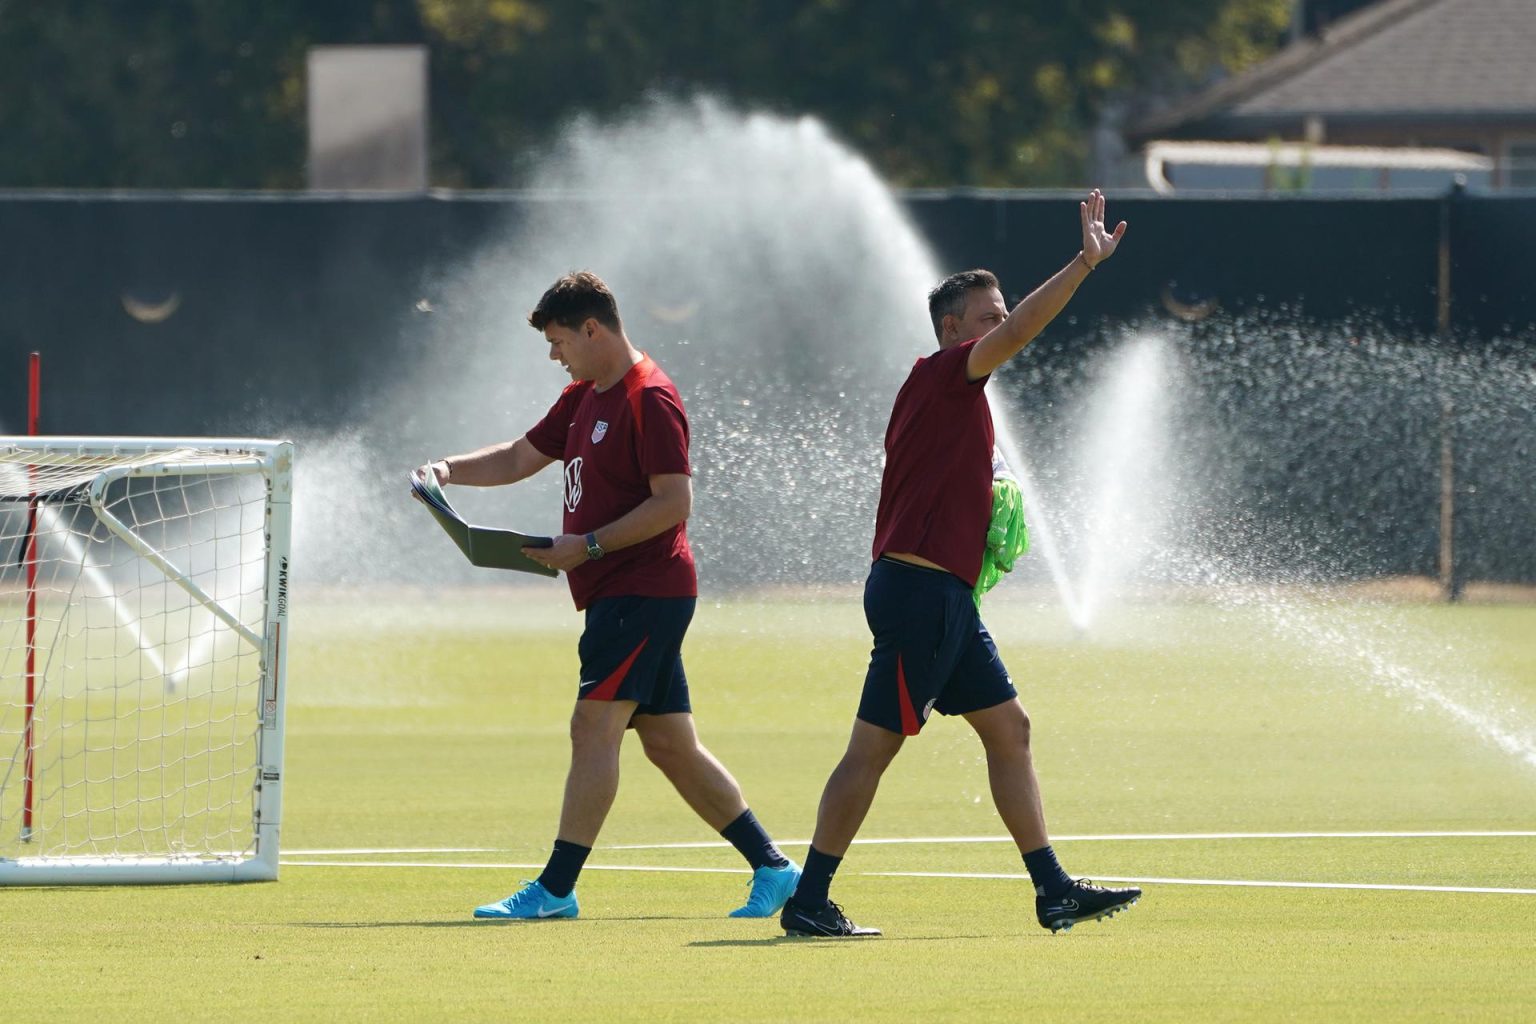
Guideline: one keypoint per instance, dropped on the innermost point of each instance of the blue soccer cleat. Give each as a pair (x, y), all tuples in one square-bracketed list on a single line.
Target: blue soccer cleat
[(532, 902), (771, 889)]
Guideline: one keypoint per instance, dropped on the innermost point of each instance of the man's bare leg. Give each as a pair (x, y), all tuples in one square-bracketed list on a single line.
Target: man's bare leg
[(844, 804), (597, 729), (851, 788), (672, 744), (1059, 901), (1004, 733)]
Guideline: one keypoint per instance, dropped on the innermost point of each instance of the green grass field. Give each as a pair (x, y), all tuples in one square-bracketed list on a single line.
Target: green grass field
[(435, 724)]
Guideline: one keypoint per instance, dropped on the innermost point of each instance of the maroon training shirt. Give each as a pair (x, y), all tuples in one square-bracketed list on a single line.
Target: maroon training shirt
[(936, 492), (612, 442)]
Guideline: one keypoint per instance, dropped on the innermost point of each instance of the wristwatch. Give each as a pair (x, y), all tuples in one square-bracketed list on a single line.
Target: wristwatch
[(594, 549)]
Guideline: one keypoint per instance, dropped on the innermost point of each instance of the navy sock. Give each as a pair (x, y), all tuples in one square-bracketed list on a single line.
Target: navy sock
[(564, 865), (1045, 872), (752, 842), (816, 878)]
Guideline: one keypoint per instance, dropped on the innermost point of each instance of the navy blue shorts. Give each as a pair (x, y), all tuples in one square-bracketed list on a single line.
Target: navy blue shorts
[(632, 649), (931, 650)]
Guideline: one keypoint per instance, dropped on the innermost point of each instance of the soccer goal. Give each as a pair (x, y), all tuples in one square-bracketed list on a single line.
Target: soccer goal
[(143, 631)]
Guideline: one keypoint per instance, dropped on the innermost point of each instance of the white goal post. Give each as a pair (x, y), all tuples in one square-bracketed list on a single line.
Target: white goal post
[(143, 649)]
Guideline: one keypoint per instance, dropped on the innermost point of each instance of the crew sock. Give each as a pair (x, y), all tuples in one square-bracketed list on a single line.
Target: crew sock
[(816, 878), (753, 843), (564, 865), (1046, 872)]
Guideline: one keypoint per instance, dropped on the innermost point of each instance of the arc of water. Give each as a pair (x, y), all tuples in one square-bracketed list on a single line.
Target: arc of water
[(1320, 630), (1042, 535), (201, 647), (1122, 442), (198, 647), (1122, 449), (53, 527), (98, 584)]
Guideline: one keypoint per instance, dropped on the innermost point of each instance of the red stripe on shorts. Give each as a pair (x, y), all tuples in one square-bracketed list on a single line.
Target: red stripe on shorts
[(910, 726), (610, 686)]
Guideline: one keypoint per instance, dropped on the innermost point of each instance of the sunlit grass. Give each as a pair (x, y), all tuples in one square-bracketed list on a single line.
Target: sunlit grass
[(438, 720)]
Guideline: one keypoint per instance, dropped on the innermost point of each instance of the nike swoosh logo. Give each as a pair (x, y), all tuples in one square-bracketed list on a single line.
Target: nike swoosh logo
[(588, 683), (552, 913), (807, 924), (812, 925)]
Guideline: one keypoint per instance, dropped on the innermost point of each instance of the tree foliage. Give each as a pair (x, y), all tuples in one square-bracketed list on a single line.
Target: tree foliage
[(189, 94)]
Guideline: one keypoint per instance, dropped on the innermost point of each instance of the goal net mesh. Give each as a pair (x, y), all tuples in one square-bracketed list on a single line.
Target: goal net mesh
[(132, 607)]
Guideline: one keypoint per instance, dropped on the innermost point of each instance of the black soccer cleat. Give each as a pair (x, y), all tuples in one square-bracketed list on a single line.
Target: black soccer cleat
[(825, 921), (1081, 901)]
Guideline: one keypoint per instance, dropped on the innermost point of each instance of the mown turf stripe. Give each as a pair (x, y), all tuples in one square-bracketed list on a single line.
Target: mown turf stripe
[(1115, 838), (1236, 882), (379, 850), (984, 875), (498, 867)]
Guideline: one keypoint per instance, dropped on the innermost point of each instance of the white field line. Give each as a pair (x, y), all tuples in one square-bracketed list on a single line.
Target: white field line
[(1245, 883), (1241, 883), (1125, 837), (378, 850), (500, 867), (372, 851)]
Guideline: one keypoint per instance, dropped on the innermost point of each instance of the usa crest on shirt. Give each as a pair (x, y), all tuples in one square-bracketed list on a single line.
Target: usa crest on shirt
[(599, 430)]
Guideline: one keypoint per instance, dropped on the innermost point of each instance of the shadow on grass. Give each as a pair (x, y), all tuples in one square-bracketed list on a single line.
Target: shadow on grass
[(826, 943), (484, 923)]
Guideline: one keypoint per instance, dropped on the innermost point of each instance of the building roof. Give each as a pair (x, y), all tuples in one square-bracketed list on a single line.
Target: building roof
[(1195, 165), (1394, 60)]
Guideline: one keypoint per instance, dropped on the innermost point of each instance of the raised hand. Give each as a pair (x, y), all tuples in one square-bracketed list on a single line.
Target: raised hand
[(1098, 244)]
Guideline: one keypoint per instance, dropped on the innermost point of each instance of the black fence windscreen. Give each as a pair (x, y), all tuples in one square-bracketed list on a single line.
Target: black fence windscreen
[(1307, 327)]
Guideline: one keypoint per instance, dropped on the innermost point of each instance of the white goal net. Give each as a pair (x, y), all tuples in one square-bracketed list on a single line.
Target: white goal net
[(143, 618)]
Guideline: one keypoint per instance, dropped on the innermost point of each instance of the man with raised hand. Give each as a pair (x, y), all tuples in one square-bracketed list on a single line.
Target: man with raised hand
[(931, 650), (622, 435)]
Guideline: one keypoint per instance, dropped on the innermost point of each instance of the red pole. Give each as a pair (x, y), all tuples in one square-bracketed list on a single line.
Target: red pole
[(29, 556)]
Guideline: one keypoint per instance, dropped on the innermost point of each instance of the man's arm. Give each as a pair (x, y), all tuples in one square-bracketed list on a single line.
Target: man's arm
[(492, 466), (670, 503), (1029, 317)]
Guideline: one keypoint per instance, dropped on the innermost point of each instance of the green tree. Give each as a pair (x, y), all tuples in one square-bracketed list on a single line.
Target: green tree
[(934, 91), (187, 94), (175, 94)]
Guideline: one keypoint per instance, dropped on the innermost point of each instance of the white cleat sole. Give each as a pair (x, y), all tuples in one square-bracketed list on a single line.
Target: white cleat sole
[(1066, 926)]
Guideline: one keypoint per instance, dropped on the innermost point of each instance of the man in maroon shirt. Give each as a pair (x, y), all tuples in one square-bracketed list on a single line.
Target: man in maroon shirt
[(622, 435), (931, 650)]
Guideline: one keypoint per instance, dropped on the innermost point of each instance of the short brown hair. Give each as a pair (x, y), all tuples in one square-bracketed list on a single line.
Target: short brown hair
[(948, 296), (575, 298)]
